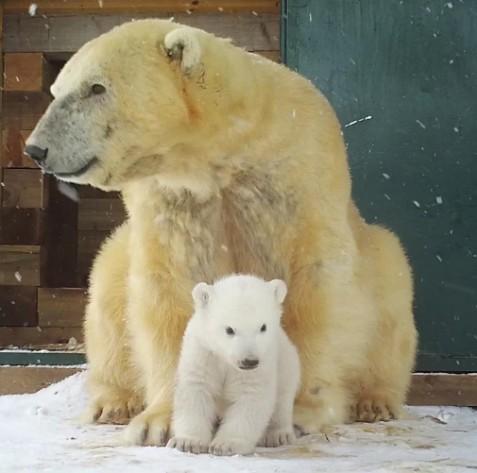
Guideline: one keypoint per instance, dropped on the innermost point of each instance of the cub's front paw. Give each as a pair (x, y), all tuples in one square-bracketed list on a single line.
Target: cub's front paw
[(148, 428), (278, 437), (189, 445), (231, 447)]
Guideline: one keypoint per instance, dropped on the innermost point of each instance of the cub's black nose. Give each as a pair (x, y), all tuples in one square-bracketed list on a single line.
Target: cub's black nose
[(248, 364), (36, 153)]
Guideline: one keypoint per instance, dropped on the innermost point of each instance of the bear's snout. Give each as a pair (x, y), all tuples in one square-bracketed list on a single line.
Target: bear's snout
[(248, 364)]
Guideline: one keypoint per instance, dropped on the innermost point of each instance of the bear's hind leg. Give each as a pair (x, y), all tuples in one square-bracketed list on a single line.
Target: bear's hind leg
[(383, 385), (110, 375)]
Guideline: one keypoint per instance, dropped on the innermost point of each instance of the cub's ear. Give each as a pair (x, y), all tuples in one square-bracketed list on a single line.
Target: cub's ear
[(279, 289), (182, 45), (201, 295)]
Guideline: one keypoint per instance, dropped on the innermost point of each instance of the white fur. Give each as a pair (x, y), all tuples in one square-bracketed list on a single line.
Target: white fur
[(254, 405)]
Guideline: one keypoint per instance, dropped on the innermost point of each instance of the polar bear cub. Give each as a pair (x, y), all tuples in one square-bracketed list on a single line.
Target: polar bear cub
[(238, 372)]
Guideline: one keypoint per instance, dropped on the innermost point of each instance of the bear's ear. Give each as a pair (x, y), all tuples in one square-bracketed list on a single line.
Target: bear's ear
[(279, 289), (201, 295), (182, 45)]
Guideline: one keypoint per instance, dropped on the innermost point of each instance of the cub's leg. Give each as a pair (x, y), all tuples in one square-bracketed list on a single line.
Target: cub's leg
[(195, 413), (112, 380), (280, 429), (382, 386), (246, 419)]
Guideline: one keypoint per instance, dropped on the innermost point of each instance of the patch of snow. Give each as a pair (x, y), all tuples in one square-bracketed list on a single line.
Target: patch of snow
[(32, 9), (42, 432)]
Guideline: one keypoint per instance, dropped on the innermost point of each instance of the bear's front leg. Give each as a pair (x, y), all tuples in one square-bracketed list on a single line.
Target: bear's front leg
[(243, 424), (194, 418), (158, 316)]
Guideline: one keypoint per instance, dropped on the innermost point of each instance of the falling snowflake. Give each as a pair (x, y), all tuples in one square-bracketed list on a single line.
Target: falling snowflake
[(421, 124), (439, 199), (32, 9), (416, 203), (354, 122), (18, 276), (386, 175)]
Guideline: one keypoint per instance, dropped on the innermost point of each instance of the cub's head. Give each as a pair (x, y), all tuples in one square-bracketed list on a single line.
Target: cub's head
[(120, 106), (240, 316)]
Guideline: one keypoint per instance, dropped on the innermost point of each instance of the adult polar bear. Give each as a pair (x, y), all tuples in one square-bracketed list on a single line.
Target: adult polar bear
[(227, 162)]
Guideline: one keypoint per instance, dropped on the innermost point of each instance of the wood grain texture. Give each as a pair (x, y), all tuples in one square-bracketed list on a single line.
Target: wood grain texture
[(100, 214), (106, 7), (69, 33), (22, 110), (61, 238), (25, 188), (21, 265), (27, 72), (29, 379), (36, 337), (61, 307), (22, 226), (443, 389), (18, 306), (13, 143)]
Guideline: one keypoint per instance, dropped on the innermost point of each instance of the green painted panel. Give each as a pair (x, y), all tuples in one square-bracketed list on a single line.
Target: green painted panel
[(50, 358), (402, 76)]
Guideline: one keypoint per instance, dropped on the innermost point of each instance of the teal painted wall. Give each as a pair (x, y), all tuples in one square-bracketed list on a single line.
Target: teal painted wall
[(402, 76)]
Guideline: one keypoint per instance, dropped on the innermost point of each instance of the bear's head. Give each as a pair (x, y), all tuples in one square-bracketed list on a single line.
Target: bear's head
[(240, 317), (125, 107)]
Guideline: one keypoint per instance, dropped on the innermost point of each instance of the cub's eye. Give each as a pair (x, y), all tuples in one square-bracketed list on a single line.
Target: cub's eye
[(263, 328), (230, 331), (98, 89)]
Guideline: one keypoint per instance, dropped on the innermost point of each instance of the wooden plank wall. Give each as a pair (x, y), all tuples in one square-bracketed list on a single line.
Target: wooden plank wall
[(47, 240)]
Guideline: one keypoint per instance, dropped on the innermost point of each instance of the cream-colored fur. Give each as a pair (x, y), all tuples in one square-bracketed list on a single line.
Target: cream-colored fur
[(228, 162)]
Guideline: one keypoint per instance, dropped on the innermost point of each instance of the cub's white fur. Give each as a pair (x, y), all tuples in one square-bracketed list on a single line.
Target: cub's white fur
[(238, 367)]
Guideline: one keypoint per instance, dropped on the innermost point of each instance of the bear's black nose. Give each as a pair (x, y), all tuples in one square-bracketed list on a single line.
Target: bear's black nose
[(248, 364), (36, 153)]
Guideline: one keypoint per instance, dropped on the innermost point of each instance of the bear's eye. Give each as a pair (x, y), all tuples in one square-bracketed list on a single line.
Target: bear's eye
[(263, 328), (230, 331), (98, 89)]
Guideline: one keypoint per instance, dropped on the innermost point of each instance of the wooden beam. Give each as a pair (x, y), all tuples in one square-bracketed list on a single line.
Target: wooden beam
[(36, 337), (20, 380), (27, 72), (21, 265), (25, 188), (100, 214), (18, 306), (68, 33), (107, 7), (13, 142), (22, 226), (61, 238), (22, 110), (61, 307), (29, 379), (443, 389)]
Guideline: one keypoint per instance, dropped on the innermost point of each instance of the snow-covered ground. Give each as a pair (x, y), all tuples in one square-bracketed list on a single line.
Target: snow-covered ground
[(41, 433)]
